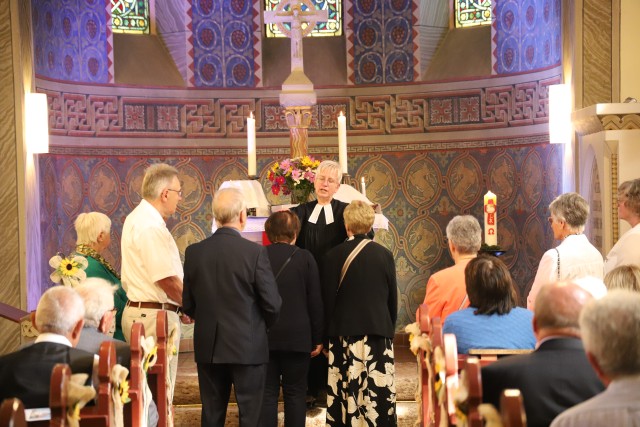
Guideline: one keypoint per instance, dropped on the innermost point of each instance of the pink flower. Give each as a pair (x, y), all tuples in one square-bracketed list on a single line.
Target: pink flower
[(285, 164), (310, 175), (296, 174)]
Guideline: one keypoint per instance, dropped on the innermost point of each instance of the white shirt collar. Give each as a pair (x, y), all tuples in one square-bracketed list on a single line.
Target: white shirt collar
[(328, 213), (55, 338)]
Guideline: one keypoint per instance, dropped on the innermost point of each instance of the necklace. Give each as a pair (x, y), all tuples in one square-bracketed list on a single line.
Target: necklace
[(87, 251)]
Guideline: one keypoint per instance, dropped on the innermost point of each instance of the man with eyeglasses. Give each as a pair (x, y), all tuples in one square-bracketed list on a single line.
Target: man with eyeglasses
[(151, 267)]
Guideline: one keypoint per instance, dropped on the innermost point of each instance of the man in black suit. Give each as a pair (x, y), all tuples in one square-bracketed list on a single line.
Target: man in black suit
[(557, 375), (26, 374), (230, 291)]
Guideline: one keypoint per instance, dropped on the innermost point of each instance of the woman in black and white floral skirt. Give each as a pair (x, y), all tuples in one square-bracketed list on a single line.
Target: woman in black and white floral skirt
[(359, 291)]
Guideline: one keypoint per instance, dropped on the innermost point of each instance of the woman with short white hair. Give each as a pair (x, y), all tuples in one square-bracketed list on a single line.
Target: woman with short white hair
[(575, 257), (93, 230)]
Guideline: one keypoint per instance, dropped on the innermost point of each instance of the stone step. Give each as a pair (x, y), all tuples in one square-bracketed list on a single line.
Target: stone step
[(188, 393), (189, 415)]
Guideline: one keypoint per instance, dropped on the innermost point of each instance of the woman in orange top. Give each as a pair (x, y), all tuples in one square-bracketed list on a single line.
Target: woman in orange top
[(446, 291)]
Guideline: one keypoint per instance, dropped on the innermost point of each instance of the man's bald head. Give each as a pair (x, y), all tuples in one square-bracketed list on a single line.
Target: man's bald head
[(557, 309)]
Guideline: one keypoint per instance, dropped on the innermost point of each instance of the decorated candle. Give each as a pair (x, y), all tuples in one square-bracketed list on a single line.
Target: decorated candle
[(490, 219), (363, 188), (342, 142), (251, 145)]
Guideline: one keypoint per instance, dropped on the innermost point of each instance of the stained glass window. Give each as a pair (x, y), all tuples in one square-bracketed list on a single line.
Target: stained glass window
[(333, 27), (130, 16), (471, 13)]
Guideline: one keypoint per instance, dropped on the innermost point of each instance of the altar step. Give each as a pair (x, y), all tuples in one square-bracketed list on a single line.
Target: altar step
[(187, 404)]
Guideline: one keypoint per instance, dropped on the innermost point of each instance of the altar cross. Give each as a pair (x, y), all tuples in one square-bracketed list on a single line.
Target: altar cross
[(296, 17)]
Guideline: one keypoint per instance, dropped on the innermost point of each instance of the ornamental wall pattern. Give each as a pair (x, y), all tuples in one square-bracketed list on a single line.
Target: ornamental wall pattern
[(125, 116), (420, 187)]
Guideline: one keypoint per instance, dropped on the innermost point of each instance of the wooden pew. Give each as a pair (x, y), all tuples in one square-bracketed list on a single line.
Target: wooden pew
[(58, 396), (99, 414), (490, 355), (474, 388), (426, 382), (12, 413), (512, 409), (134, 409), (157, 374)]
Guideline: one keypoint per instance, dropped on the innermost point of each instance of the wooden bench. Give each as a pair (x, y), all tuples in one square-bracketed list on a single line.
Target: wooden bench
[(512, 409), (156, 375), (12, 413), (490, 355)]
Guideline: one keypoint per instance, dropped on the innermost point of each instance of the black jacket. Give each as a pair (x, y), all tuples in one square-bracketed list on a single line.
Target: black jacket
[(299, 326)]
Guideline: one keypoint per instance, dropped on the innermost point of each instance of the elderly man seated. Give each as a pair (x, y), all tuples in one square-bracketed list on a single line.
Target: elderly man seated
[(26, 373), (611, 334), (99, 317), (557, 375)]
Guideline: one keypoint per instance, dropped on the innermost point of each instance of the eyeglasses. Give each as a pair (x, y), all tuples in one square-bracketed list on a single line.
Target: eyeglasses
[(176, 191)]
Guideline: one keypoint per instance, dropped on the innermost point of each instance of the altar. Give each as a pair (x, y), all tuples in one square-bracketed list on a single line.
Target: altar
[(259, 208)]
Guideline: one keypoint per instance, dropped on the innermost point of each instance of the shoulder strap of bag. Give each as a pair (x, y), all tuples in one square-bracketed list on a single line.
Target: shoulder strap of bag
[(558, 252), (350, 258), (286, 262)]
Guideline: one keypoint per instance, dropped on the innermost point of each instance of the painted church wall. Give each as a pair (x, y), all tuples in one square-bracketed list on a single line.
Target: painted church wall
[(427, 152)]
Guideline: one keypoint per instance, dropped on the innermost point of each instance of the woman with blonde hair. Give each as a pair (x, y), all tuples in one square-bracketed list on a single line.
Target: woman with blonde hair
[(625, 251), (623, 277), (93, 230)]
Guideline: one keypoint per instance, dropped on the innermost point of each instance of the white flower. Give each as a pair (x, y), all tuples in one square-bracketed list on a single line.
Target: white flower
[(69, 271)]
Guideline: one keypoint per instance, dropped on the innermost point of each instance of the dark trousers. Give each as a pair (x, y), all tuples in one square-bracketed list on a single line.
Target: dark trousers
[(293, 367), (317, 377), (215, 380)]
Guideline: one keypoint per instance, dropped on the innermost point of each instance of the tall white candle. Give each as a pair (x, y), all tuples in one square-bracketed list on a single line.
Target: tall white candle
[(251, 145), (490, 219), (342, 142), (363, 188)]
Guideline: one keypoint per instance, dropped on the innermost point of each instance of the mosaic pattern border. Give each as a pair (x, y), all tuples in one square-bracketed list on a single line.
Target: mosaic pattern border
[(97, 115)]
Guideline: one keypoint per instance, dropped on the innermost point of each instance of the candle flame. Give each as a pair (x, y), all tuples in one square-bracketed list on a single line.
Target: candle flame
[(341, 114), (251, 114)]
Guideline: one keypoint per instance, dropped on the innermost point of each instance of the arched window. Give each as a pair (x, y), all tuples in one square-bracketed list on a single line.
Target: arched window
[(333, 27), (130, 16), (470, 13)]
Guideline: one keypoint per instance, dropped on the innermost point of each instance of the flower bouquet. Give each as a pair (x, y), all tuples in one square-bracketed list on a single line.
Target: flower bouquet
[(294, 177), (68, 270)]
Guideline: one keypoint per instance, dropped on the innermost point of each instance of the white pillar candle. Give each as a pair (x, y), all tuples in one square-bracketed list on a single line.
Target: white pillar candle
[(490, 219), (251, 145), (363, 188), (342, 142)]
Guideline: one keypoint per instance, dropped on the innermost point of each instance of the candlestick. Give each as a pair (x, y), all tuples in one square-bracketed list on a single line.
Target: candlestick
[(363, 188), (251, 145), (342, 142), (490, 219)]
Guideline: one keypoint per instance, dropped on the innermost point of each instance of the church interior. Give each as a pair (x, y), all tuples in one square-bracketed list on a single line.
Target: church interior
[(437, 115)]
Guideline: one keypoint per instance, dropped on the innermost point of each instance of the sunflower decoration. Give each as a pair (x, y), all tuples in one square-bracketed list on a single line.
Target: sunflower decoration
[(68, 270)]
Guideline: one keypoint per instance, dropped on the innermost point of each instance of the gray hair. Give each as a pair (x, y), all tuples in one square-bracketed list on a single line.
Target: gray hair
[(331, 168), (558, 306), (571, 208), (227, 205), (60, 308), (611, 332), (97, 295), (465, 233), (157, 178), (89, 226), (631, 191)]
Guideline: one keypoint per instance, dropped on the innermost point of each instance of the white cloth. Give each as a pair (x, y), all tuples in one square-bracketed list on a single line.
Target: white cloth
[(55, 338), (618, 405), (328, 214), (578, 258), (149, 254), (626, 251)]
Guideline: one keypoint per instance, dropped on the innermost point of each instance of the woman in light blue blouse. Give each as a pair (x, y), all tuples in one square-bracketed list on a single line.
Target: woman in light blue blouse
[(493, 319)]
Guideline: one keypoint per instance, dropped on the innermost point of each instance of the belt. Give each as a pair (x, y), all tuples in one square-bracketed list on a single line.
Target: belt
[(154, 305)]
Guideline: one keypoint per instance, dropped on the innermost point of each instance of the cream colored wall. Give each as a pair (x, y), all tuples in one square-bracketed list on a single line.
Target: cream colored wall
[(629, 57)]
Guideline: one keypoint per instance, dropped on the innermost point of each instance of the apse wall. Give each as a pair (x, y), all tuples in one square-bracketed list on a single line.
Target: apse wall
[(428, 152)]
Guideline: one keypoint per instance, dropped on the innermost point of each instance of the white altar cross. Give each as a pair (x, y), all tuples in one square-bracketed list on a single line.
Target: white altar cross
[(296, 17)]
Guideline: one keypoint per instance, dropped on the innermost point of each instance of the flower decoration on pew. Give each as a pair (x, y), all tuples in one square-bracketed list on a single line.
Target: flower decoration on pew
[(294, 177), (417, 339), (68, 269)]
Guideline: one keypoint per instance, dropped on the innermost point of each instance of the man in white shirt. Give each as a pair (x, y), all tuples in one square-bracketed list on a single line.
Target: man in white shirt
[(151, 267), (610, 330)]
